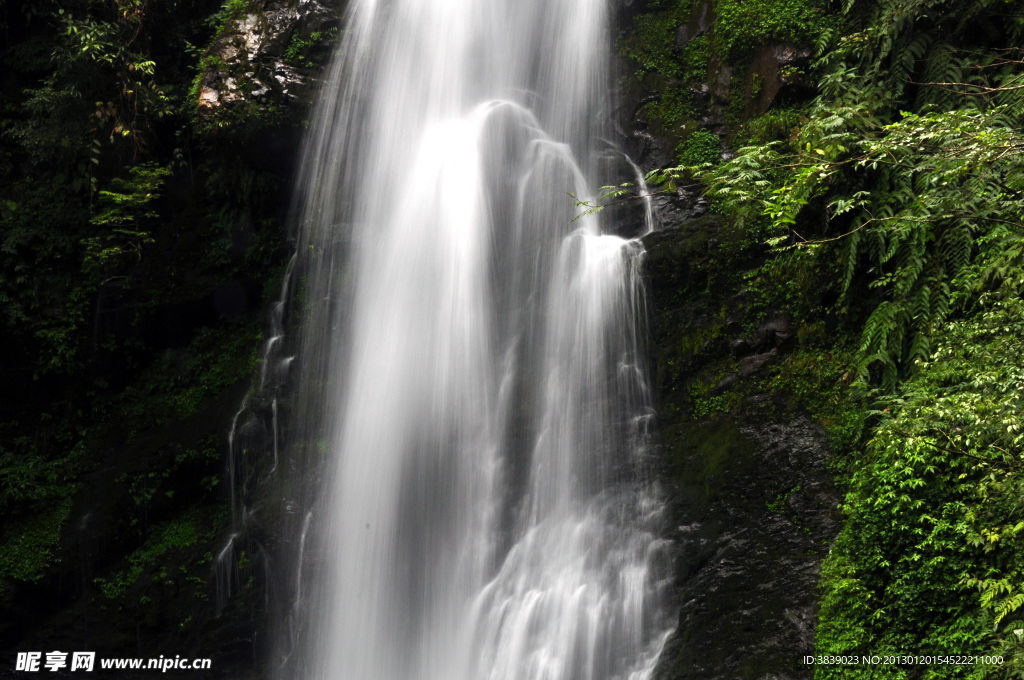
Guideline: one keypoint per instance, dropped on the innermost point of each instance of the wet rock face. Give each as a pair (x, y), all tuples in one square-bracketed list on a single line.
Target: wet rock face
[(755, 512), (778, 70), (753, 505), (701, 20), (267, 56)]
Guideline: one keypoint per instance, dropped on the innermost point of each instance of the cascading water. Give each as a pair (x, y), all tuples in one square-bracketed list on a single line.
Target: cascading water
[(472, 362)]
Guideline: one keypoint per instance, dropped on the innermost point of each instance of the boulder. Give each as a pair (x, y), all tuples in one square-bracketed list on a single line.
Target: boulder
[(265, 59)]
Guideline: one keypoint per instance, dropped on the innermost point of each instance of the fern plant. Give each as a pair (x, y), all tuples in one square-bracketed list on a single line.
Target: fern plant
[(912, 154)]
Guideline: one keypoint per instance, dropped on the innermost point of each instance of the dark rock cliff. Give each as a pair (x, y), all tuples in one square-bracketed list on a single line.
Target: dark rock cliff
[(743, 444), (746, 468), (133, 569)]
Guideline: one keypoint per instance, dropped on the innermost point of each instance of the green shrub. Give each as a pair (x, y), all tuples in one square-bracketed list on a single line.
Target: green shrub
[(673, 107), (741, 26), (700, 148), (652, 41), (694, 59)]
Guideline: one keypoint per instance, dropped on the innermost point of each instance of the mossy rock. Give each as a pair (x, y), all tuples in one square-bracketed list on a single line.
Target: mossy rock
[(260, 69)]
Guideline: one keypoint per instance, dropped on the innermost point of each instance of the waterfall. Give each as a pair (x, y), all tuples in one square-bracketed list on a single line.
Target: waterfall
[(474, 394)]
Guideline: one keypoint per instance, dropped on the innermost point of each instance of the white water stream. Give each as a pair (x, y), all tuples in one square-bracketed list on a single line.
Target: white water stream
[(473, 359)]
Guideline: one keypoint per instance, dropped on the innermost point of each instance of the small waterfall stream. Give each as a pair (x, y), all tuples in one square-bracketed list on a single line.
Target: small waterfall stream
[(473, 389)]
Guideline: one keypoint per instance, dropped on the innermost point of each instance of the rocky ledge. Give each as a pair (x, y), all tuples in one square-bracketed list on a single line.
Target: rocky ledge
[(266, 55)]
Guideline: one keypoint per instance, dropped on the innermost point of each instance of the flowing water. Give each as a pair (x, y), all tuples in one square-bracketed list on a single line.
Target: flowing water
[(473, 363)]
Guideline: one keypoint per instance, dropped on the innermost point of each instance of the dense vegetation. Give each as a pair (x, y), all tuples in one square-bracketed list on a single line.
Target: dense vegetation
[(893, 204), (876, 195), (139, 236)]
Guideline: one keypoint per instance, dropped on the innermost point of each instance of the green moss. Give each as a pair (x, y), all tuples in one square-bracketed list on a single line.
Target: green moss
[(816, 381), (774, 125), (703, 454), (245, 117), (778, 505), (172, 541), (207, 63), (737, 97), (181, 379), (29, 545), (668, 114), (652, 41), (36, 498), (694, 59), (304, 52), (230, 10), (697, 346), (741, 26), (700, 148), (756, 86), (145, 487), (707, 405)]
